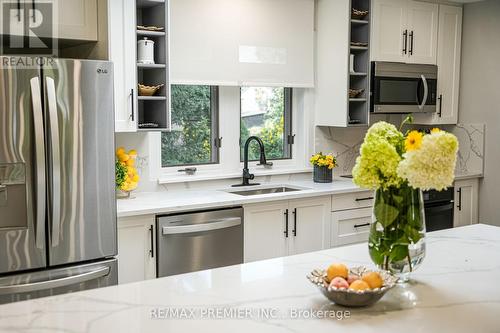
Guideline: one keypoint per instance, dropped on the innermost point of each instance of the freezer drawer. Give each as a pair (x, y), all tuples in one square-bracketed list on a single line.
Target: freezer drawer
[(198, 241), (58, 281)]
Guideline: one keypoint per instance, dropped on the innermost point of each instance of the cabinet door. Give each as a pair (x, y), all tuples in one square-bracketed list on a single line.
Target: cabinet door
[(388, 39), (309, 225), (264, 231), (466, 202), (122, 50), (77, 19), (136, 249), (350, 226), (422, 32), (448, 61)]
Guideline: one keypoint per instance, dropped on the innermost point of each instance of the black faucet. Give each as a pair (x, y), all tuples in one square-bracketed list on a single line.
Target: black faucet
[(246, 173)]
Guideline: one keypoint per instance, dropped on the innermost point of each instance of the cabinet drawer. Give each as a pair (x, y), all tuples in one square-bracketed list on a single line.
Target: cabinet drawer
[(352, 200), (351, 226)]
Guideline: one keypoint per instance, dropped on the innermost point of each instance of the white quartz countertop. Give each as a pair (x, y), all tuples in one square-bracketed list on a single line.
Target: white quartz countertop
[(185, 200), (456, 289), (164, 202)]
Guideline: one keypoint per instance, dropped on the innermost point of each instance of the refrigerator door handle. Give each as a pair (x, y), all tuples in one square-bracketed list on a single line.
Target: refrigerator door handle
[(55, 199), (36, 100), (51, 284)]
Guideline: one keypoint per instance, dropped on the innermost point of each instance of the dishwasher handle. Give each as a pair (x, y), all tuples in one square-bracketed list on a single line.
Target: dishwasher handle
[(208, 226)]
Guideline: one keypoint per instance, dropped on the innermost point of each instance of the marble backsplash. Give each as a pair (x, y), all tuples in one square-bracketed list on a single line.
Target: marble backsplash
[(344, 143)]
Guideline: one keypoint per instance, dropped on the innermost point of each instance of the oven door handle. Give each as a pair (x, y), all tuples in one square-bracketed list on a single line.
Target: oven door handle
[(440, 208), (426, 93), (210, 225)]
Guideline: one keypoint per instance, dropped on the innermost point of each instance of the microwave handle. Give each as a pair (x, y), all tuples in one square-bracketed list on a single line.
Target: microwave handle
[(426, 92)]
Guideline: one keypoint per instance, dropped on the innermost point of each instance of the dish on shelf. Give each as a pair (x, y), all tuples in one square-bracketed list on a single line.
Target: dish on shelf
[(358, 14), (148, 90), (359, 44), (149, 125), (353, 93), (150, 28)]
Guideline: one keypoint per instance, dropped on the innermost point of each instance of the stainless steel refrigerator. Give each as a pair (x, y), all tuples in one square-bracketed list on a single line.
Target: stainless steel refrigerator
[(57, 195)]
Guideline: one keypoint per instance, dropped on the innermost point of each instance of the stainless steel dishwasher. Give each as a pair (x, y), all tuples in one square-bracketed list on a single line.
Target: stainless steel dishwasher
[(200, 240)]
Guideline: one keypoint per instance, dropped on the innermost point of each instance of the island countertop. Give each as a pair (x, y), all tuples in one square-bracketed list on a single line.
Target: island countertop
[(457, 289)]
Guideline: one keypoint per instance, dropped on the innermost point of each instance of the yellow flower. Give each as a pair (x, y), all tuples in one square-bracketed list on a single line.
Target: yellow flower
[(413, 140), (435, 130)]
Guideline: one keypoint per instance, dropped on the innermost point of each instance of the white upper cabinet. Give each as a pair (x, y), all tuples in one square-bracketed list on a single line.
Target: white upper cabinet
[(77, 19), (122, 51), (389, 31), (448, 61), (422, 32), (404, 31)]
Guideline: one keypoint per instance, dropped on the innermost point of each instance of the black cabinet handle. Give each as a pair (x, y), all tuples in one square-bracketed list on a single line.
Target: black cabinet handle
[(459, 206), (132, 100), (411, 43), (294, 231), (151, 250), (405, 41), (361, 225), (363, 199), (286, 223), (33, 8), (440, 105)]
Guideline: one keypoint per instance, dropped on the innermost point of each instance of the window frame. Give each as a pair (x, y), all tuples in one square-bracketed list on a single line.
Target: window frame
[(287, 129), (214, 132)]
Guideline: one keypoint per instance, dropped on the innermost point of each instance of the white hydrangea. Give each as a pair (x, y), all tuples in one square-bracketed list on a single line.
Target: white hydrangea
[(432, 166)]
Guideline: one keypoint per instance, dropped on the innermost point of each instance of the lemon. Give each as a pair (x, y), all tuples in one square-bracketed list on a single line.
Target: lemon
[(359, 285), (130, 162), (373, 279), (120, 151), (337, 270), (123, 157), (132, 152), (135, 178)]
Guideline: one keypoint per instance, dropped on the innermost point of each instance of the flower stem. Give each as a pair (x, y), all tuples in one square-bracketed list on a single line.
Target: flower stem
[(409, 262)]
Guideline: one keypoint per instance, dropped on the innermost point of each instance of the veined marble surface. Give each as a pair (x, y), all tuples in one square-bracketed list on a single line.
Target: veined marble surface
[(455, 290), (186, 200), (471, 152)]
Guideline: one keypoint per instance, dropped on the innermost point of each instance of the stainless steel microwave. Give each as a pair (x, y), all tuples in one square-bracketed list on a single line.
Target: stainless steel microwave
[(403, 88)]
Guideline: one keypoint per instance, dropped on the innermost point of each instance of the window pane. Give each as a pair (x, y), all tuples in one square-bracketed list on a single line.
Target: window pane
[(190, 141), (263, 114)]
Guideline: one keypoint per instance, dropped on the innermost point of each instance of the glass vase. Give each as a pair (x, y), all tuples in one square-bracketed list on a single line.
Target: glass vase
[(397, 232)]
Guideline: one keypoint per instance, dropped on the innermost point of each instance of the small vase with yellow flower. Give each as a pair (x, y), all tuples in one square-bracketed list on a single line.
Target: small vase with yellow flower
[(127, 177), (323, 167)]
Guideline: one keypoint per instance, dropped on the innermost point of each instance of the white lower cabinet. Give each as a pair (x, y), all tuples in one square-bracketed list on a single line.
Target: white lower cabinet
[(351, 218), (136, 248), (286, 227), (350, 226), (466, 202)]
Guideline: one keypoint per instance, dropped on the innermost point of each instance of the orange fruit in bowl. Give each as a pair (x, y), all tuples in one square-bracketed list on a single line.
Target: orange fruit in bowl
[(373, 279), (335, 270), (359, 285)]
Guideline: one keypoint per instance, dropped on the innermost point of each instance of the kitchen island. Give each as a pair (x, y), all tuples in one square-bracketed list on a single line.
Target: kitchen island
[(457, 289)]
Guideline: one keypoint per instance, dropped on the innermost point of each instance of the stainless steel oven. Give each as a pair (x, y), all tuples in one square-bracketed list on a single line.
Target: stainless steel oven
[(199, 240), (439, 209), (403, 88)]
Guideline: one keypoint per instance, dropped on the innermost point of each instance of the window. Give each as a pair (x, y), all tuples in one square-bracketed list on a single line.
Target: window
[(266, 113), (192, 140)]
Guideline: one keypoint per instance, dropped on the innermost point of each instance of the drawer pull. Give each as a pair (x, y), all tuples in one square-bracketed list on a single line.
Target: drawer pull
[(363, 199), (361, 225)]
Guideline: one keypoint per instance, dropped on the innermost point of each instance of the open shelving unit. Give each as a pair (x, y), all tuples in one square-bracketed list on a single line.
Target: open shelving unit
[(154, 109), (358, 108), (340, 35)]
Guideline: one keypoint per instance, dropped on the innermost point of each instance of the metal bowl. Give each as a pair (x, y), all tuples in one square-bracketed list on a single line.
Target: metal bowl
[(352, 298)]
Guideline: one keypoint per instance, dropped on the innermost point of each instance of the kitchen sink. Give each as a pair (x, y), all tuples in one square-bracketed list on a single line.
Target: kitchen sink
[(266, 190)]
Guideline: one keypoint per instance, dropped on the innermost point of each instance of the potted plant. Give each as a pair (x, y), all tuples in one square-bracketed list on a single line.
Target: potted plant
[(323, 167), (398, 167)]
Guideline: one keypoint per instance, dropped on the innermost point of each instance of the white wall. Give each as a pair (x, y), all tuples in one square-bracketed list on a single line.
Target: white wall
[(479, 94)]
